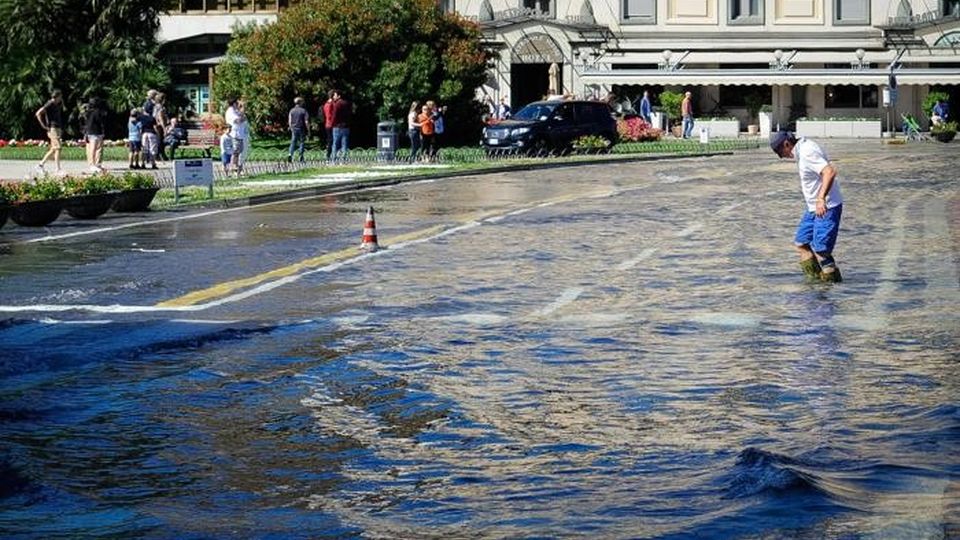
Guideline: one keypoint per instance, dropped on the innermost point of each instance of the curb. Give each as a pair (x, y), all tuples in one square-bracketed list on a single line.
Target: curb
[(298, 193)]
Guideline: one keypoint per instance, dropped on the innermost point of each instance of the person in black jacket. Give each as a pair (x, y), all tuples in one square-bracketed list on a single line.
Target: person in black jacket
[(95, 119)]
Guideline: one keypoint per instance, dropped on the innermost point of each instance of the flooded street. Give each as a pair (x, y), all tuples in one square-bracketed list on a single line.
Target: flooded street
[(615, 351)]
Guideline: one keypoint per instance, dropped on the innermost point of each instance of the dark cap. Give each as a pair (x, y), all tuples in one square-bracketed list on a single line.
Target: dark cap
[(777, 140)]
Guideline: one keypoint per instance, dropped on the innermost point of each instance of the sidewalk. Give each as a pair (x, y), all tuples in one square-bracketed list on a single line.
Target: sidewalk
[(21, 169)]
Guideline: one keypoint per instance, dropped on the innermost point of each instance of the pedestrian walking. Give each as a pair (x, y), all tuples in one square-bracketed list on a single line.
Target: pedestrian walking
[(413, 130), (50, 117), (646, 109), (819, 182), (686, 111), (426, 132), (342, 117), (95, 119), (298, 120), (148, 139), (328, 123), (134, 142), (237, 123)]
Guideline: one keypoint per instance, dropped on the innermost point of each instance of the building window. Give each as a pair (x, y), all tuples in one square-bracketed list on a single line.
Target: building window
[(851, 12), (447, 6), (851, 97), (951, 8), (640, 11), (543, 6), (746, 12)]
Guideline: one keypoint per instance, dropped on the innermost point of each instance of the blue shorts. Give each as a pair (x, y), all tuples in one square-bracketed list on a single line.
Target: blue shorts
[(819, 232), (225, 158)]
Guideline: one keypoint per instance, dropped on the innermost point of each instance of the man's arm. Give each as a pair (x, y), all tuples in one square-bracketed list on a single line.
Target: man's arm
[(41, 115), (827, 175)]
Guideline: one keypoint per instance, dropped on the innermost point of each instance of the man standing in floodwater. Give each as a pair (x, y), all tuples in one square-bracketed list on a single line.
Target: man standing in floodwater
[(818, 228)]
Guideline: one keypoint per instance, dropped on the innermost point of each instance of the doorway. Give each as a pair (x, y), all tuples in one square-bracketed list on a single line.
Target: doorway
[(528, 82)]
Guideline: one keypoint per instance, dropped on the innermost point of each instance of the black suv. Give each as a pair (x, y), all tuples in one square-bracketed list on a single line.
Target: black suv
[(546, 126)]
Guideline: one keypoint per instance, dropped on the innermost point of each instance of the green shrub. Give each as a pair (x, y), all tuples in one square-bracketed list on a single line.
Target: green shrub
[(944, 127), (41, 189), (10, 192), (133, 180), (90, 185)]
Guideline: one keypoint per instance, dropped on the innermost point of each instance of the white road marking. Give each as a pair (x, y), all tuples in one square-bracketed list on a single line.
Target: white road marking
[(873, 316), (565, 298), (642, 256)]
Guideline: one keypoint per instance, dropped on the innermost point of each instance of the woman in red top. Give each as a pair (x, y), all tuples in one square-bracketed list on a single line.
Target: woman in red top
[(426, 132)]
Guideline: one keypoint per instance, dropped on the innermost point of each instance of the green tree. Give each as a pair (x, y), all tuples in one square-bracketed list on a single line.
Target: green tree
[(86, 48), (382, 54)]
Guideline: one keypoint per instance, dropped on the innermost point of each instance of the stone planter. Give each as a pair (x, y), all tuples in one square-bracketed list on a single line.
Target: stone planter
[(766, 124), (753, 129), (89, 206), (945, 136), (37, 213), (858, 129), (718, 128), (134, 200)]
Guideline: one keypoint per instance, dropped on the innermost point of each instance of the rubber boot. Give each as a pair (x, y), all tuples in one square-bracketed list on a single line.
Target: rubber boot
[(831, 277), (811, 268)]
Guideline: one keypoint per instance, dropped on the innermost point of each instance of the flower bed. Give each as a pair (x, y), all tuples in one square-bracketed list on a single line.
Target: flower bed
[(39, 202), (636, 129)]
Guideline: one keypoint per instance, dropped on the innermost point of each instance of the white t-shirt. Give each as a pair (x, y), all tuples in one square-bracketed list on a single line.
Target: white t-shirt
[(237, 123), (226, 144), (811, 160)]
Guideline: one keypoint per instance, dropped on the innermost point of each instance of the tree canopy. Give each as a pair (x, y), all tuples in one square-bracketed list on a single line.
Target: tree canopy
[(85, 48), (382, 54)]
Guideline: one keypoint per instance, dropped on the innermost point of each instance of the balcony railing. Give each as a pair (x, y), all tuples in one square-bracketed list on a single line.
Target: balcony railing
[(228, 6)]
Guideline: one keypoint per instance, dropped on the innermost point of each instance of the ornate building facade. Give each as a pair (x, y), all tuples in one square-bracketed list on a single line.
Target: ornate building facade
[(813, 58)]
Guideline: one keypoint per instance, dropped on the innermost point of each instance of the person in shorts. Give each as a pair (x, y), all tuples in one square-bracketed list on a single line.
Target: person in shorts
[(819, 182), (226, 151), (134, 146), (50, 117)]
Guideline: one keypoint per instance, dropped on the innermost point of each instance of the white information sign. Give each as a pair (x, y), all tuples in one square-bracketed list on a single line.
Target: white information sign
[(192, 172)]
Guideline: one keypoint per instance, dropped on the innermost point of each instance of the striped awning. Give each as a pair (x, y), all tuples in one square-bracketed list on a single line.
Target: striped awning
[(747, 77)]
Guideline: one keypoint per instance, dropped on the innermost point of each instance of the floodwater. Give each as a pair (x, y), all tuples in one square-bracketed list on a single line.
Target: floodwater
[(625, 351)]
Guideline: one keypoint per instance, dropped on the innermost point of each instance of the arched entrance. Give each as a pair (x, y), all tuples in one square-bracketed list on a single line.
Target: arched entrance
[(530, 68)]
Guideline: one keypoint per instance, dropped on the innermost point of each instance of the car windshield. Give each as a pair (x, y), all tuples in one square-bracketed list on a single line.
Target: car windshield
[(535, 111)]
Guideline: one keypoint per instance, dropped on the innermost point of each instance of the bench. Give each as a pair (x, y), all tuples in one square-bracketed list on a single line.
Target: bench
[(204, 140)]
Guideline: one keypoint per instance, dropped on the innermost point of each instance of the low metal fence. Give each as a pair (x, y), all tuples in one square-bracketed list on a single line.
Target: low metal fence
[(277, 164)]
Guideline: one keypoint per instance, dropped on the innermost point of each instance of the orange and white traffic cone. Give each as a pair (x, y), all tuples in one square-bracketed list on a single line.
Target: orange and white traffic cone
[(370, 233)]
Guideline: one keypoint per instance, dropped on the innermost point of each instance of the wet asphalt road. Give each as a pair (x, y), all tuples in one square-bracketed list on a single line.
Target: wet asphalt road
[(617, 351)]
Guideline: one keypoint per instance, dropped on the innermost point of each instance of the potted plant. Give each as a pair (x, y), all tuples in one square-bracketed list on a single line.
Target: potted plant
[(944, 132), (92, 196), (8, 193), (670, 103), (137, 192), (592, 144), (38, 203), (754, 102)]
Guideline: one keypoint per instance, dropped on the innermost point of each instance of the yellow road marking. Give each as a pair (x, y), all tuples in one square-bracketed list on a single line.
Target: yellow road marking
[(226, 288)]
